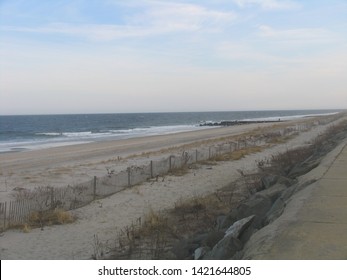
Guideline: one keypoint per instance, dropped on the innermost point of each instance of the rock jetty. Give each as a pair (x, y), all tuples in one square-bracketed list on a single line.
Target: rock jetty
[(231, 123)]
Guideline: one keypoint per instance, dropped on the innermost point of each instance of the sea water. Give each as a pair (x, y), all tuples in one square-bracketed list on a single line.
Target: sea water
[(19, 133)]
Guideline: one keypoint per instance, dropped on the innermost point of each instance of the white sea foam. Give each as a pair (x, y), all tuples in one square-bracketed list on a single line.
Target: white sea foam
[(57, 139), (49, 133)]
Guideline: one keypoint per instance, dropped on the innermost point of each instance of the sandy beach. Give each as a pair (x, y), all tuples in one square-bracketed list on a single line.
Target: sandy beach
[(72, 164)]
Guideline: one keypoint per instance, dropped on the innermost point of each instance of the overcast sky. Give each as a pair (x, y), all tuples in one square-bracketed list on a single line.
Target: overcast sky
[(110, 56)]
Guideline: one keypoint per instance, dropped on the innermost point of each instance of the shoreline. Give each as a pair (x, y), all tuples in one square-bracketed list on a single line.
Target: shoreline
[(107, 216), (74, 164), (56, 138), (60, 166)]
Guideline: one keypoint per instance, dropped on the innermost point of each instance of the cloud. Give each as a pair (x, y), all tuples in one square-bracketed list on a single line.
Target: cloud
[(296, 34), (268, 4), (100, 32), (155, 18), (183, 16)]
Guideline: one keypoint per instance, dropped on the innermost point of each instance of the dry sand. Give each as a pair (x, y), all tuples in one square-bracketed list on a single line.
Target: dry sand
[(74, 164), (107, 216)]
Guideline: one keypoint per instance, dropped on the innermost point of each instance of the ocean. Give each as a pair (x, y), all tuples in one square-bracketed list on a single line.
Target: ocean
[(20, 133)]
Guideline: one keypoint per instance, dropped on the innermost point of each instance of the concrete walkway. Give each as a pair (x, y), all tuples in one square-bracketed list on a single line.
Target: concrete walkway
[(314, 224)]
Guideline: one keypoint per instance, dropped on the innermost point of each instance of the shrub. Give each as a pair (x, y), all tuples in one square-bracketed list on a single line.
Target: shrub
[(50, 217)]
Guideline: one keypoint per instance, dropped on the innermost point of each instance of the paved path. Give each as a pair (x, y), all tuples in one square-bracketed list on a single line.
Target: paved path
[(315, 225)]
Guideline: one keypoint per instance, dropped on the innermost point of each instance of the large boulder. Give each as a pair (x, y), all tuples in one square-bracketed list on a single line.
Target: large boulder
[(228, 220), (280, 203), (275, 211), (185, 248), (212, 238), (269, 180), (224, 244), (224, 249), (286, 181), (236, 229), (201, 252), (257, 205), (303, 168), (273, 192)]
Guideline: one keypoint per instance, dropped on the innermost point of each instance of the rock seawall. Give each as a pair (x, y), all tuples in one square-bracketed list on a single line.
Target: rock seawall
[(233, 230)]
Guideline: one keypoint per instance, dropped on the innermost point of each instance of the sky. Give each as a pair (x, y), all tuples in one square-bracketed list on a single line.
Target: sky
[(112, 56)]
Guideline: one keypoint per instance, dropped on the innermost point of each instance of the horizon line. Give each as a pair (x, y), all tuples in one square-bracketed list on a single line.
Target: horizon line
[(175, 112)]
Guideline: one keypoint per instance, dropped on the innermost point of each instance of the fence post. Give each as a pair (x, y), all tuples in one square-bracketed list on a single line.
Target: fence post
[(5, 214), (151, 168), (170, 163), (94, 188), (196, 155), (52, 198), (209, 152), (21, 211), (9, 215), (129, 177)]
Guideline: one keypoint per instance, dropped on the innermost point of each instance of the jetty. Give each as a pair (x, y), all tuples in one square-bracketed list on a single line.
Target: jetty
[(236, 122)]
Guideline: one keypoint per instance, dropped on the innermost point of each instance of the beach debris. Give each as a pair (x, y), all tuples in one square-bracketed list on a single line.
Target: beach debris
[(110, 171)]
